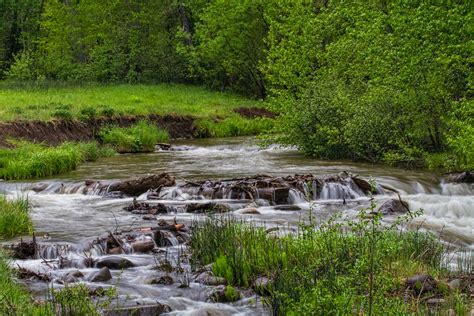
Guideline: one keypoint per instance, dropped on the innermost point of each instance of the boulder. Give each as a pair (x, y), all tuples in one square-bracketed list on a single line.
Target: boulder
[(208, 279), (461, 177), (103, 275), (136, 187), (262, 285), (250, 211), (114, 263), (362, 184), (421, 283), (139, 310), (143, 246), (394, 206), (224, 294), (163, 280)]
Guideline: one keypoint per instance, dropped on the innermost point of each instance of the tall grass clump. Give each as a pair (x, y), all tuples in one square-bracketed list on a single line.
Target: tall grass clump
[(338, 267), (29, 161), (233, 126), (141, 137), (14, 217)]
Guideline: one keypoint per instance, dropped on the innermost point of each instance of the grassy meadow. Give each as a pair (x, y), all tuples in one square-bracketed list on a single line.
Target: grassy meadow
[(43, 102)]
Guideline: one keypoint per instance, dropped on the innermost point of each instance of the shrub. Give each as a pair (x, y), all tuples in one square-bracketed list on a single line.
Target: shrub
[(88, 113), (62, 111)]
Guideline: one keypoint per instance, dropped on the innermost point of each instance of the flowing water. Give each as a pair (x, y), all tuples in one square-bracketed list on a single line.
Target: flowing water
[(71, 220)]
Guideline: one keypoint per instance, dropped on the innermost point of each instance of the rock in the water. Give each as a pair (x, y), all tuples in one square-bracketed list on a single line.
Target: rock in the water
[(287, 208), (143, 246), (149, 218), (208, 279), (421, 283), (461, 177), (139, 186), (163, 280), (23, 250), (103, 275), (207, 208), (224, 294), (394, 206), (114, 263), (140, 310), (250, 211), (362, 184)]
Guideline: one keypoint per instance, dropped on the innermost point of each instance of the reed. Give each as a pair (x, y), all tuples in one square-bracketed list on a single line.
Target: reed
[(14, 217)]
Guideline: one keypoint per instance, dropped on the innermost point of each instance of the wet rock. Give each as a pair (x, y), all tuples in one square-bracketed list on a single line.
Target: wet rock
[(25, 274), (114, 195), (394, 206), (146, 208), (277, 195), (72, 277), (250, 211), (435, 301), (461, 177), (149, 218), (262, 285), (224, 294), (143, 246), (39, 187), (163, 280), (362, 184), (115, 251), (208, 279), (114, 263), (163, 146), (136, 187), (454, 284), (287, 208), (103, 275), (208, 208), (140, 310), (421, 283)]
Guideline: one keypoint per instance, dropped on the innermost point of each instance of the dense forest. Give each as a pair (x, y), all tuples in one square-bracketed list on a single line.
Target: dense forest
[(366, 80)]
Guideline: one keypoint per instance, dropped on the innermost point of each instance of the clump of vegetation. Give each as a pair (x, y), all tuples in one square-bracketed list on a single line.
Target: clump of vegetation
[(62, 111), (334, 268), (141, 137), (28, 160), (233, 126), (71, 300), (14, 217)]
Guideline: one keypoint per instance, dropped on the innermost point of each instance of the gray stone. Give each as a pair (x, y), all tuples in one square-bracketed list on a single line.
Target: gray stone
[(103, 275), (139, 310), (114, 263)]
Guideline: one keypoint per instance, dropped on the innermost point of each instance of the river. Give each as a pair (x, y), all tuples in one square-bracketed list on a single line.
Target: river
[(73, 220)]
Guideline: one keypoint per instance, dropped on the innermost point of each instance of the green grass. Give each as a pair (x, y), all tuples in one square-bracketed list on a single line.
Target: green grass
[(141, 137), (14, 217), (324, 270), (46, 102), (28, 161)]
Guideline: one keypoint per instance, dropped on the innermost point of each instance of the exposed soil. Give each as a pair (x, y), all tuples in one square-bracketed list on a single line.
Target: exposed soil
[(254, 112), (57, 131)]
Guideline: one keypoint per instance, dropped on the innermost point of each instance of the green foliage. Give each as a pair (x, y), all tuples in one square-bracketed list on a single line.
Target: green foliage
[(372, 80), (141, 137), (62, 111), (14, 217), (29, 161), (322, 269)]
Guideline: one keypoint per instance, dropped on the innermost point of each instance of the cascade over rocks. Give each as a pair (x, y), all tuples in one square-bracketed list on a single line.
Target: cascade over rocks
[(461, 177), (141, 185)]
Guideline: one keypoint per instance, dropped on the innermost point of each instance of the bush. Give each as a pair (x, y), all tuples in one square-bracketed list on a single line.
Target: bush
[(62, 111), (88, 113), (141, 137)]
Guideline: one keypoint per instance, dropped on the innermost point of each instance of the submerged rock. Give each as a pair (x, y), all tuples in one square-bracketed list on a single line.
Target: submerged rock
[(208, 207), (140, 310), (143, 246), (394, 206), (461, 177), (163, 280), (103, 275), (115, 263)]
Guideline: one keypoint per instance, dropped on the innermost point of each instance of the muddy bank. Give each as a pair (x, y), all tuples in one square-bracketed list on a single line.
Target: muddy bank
[(57, 131)]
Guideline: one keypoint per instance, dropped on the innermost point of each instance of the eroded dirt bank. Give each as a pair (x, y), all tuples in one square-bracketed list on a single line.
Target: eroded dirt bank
[(57, 131)]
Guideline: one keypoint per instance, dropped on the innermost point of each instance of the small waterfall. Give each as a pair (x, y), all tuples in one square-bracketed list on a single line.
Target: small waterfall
[(457, 189), (340, 191)]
